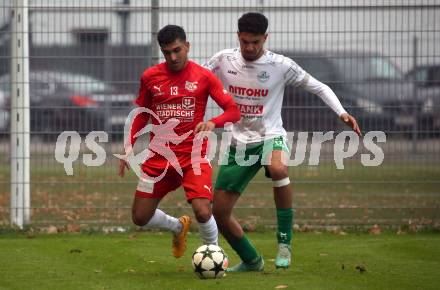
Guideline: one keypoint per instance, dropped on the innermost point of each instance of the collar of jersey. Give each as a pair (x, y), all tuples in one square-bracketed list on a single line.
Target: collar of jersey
[(167, 69), (260, 60)]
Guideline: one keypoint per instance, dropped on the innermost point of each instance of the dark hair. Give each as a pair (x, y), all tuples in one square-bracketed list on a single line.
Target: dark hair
[(253, 22), (170, 33)]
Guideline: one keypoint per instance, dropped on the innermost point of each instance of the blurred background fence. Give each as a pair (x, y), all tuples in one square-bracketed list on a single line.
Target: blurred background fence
[(382, 58)]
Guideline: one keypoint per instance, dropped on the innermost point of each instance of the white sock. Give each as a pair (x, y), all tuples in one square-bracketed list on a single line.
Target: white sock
[(209, 232), (161, 220)]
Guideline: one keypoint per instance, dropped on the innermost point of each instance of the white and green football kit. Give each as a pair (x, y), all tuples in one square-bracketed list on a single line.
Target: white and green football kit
[(258, 89)]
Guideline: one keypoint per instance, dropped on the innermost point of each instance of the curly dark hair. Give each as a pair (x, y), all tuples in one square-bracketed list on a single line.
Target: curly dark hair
[(253, 22), (170, 33)]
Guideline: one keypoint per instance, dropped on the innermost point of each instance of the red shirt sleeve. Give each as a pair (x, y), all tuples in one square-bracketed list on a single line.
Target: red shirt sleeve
[(140, 121), (143, 99), (225, 101)]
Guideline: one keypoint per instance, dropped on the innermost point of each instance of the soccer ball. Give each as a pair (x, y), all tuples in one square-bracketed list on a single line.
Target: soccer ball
[(209, 262)]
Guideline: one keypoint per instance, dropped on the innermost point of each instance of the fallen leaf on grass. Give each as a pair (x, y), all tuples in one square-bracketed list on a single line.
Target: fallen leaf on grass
[(305, 228), (361, 268), (30, 234), (130, 270), (51, 230), (108, 230), (375, 230), (133, 236), (70, 218), (73, 228), (181, 269), (78, 251), (281, 287)]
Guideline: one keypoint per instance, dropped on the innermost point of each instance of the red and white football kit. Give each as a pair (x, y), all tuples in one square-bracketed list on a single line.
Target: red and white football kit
[(182, 97)]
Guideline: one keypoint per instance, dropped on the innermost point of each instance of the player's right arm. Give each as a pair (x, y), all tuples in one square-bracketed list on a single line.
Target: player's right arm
[(139, 122), (141, 119), (213, 64)]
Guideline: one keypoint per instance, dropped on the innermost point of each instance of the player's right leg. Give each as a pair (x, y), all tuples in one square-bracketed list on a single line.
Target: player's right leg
[(146, 214), (283, 195)]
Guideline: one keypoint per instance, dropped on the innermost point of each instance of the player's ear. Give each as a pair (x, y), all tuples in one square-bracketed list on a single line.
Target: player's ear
[(265, 36), (187, 44)]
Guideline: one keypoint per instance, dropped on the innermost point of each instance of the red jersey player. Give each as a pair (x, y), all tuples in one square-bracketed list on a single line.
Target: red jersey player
[(176, 92)]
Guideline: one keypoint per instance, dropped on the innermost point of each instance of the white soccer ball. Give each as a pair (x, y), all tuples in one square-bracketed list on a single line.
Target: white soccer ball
[(209, 262)]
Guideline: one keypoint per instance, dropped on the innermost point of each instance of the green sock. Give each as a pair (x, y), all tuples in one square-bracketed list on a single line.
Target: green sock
[(285, 219), (245, 250)]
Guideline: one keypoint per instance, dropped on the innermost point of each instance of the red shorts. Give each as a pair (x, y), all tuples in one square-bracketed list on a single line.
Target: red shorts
[(196, 183)]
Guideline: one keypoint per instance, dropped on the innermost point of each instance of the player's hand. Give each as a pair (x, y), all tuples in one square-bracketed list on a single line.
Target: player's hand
[(351, 122), (204, 127), (123, 163)]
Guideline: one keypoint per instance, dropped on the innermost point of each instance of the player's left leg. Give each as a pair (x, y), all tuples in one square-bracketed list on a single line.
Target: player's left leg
[(198, 190), (251, 260), (147, 197), (278, 171), (207, 225), (232, 179)]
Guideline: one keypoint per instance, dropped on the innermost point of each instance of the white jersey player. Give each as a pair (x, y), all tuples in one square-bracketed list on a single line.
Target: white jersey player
[(257, 78)]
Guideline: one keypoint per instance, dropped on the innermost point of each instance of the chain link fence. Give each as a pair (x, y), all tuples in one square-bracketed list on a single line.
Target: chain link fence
[(382, 59)]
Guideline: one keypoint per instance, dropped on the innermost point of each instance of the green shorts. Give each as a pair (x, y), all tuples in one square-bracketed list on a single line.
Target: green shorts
[(236, 174)]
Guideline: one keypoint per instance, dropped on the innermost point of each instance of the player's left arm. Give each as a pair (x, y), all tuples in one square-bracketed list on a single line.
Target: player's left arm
[(320, 89), (295, 75), (231, 113)]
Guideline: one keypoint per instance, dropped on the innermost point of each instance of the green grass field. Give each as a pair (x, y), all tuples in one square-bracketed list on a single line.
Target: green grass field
[(393, 194), (399, 193), (144, 261)]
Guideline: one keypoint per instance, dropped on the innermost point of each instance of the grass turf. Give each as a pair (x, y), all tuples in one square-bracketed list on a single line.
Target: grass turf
[(390, 194), (144, 261)]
